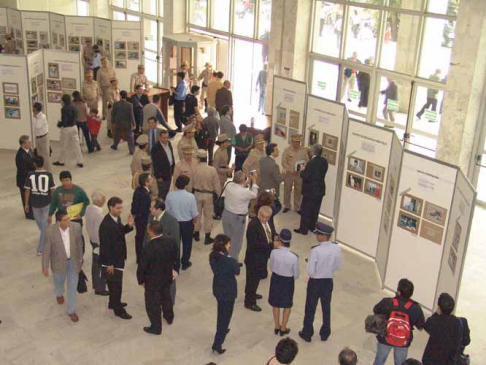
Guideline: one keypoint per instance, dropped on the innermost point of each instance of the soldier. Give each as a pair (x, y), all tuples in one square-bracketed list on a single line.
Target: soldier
[(146, 168), (139, 78), (141, 152), (187, 140), (252, 163), (206, 183), (104, 81), (293, 158), (88, 54), (91, 91), (112, 97), (186, 166), (221, 160)]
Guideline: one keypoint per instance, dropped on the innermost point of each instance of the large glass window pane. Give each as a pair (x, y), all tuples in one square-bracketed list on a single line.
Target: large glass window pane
[(328, 28), (361, 33), (150, 59), (356, 88), (161, 8), (198, 12), (422, 144), (150, 34), (399, 42), (83, 8), (133, 18), (244, 17), (118, 15), (220, 15), (133, 5), (407, 4), (428, 108), (150, 7), (448, 7), (393, 101), (437, 46), (325, 79), (117, 3), (374, 2), (265, 20)]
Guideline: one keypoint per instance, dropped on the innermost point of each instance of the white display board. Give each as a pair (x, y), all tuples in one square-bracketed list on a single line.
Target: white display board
[(324, 125), (14, 21), (78, 30), (363, 186), (62, 71), (341, 167), (102, 36), (15, 114), (289, 99), (423, 206), (35, 68), (127, 51), (58, 31), (3, 25), (35, 27)]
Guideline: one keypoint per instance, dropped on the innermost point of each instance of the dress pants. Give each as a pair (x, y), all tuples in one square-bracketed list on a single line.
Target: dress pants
[(158, 301), (178, 112), (211, 143), (239, 161), (318, 289), (70, 143), (431, 102), (225, 311), (141, 228), (234, 228), (187, 230), (251, 286), (40, 216), (205, 207), (29, 215), (72, 286), (309, 213), (115, 287), (294, 181), (164, 187), (97, 280), (42, 148), (87, 137), (105, 95), (128, 135)]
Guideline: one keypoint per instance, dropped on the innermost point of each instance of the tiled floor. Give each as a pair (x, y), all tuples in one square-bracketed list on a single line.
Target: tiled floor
[(35, 330)]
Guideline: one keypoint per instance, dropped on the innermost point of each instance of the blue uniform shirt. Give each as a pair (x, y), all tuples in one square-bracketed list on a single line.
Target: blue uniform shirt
[(284, 262), (325, 258), (181, 205), (181, 91)]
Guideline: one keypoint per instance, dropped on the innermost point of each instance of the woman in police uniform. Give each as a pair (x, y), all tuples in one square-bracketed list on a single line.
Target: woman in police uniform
[(285, 270)]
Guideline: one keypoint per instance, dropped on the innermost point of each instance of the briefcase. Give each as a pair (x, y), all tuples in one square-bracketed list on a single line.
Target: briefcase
[(82, 287)]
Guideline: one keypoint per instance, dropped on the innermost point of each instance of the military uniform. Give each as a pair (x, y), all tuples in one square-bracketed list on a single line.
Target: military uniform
[(185, 168), (139, 154), (292, 177), (154, 189), (220, 162), (185, 142), (103, 78), (91, 93), (137, 79)]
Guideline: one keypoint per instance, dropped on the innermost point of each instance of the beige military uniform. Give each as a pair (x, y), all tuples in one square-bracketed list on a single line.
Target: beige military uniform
[(137, 79), (184, 142), (292, 177), (91, 94), (112, 97), (154, 190), (185, 168), (252, 162), (220, 162), (103, 78), (206, 181), (136, 164)]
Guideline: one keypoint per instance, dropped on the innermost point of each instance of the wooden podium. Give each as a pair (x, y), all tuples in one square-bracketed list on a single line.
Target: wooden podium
[(164, 99)]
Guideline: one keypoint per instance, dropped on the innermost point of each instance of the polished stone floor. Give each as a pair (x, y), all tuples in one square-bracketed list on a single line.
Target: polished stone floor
[(36, 330)]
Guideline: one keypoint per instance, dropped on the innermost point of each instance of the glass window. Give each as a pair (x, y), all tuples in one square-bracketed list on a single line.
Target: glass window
[(428, 108), (265, 20), (399, 42), (220, 15), (118, 3), (150, 63), (374, 2), (407, 4), (448, 7), (133, 5), (133, 18), (150, 34), (361, 33), (355, 91), (325, 79), (83, 8), (437, 45), (393, 101), (150, 7), (198, 12), (118, 15), (244, 17), (161, 8), (328, 28), (421, 144)]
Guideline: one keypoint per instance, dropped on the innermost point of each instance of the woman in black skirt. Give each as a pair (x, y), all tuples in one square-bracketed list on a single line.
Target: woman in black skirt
[(224, 287), (285, 269)]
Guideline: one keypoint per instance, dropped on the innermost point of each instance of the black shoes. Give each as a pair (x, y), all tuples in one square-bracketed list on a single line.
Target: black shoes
[(151, 331), (103, 293), (196, 236), (259, 296), (80, 165), (276, 330), (254, 308), (187, 266), (169, 320), (219, 351), (285, 210), (124, 315), (123, 305), (208, 240), (286, 332), (114, 148), (304, 337), (57, 163), (217, 217), (240, 264), (300, 232)]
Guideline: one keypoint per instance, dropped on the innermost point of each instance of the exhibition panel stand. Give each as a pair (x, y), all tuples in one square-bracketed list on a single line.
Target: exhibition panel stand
[(324, 125), (35, 68), (289, 97), (3, 25), (79, 30), (14, 22), (35, 26), (57, 24), (102, 34), (126, 50)]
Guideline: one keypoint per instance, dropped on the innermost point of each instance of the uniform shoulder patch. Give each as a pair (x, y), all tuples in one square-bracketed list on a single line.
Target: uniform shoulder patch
[(294, 253), (314, 246)]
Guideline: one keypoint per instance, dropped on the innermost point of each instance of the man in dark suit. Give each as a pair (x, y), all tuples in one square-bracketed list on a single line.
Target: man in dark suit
[(156, 274), (123, 122), (24, 160), (141, 202), (224, 96), (163, 161), (313, 190), (270, 176), (139, 100), (113, 253), (259, 243)]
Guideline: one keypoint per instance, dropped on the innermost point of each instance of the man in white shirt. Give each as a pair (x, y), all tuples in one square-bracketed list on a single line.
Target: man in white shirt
[(238, 194), (94, 217), (41, 132)]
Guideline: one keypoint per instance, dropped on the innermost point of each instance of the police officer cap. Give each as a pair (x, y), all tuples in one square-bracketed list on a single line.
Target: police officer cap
[(322, 228), (146, 160), (142, 139), (202, 153), (285, 236)]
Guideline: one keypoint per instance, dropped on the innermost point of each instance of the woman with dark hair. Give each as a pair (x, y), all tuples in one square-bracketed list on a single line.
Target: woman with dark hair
[(225, 268), (285, 352), (82, 119)]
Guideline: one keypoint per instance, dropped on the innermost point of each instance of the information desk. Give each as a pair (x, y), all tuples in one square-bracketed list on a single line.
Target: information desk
[(164, 99)]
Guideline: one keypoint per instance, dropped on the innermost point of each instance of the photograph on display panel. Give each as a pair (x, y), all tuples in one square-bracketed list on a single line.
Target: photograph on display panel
[(68, 83), (457, 236), (431, 232), (133, 46), (356, 165), (329, 141), (330, 156), (120, 45), (31, 35), (17, 34), (133, 55), (452, 260), (294, 121), (280, 131), (54, 97), (281, 116), (354, 182), (99, 42), (11, 100), (43, 37), (412, 204), (313, 137), (10, 88), (74, 48), (375, 172), (73, 40), (373, 188), (120, 55), (408, 222), (120, 64), (54, 85), (32, 45), (107, 45), (435, 214), (12, 113), (53, 69), (33, 85)]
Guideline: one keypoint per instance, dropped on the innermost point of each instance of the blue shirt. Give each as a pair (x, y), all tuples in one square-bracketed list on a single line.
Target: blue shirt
[(181, 205), (325, 258), (181, 91), (284, 262)]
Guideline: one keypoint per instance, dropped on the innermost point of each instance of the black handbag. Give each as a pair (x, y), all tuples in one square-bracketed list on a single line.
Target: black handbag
[(219, 201), (462, 358), (376, 323), (82, 287)]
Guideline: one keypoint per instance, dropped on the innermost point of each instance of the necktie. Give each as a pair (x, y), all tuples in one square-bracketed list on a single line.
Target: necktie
[(268, 233), (152, 139)]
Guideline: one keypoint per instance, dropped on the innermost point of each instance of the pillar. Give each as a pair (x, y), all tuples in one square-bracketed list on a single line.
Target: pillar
[(174, 16)]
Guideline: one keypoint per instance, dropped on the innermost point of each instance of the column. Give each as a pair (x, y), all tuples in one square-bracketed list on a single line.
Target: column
[(174, 16)]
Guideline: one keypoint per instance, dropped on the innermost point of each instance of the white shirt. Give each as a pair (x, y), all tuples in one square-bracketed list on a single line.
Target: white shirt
[(94, 217), (237, 197), (324, 260), (267, 229), (168, 153), (160, 216), (97, 60), (66, 240), (40, 124), (114, 218)]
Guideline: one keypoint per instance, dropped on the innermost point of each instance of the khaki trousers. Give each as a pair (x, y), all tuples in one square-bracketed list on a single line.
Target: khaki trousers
[(42, 147), (70, 143), (105, 92), (92, 103), (205, 207), (294, 181)]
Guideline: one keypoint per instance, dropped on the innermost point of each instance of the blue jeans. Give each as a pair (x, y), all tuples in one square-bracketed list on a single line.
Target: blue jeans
[(400, 354), (40, 216), (72, 286)]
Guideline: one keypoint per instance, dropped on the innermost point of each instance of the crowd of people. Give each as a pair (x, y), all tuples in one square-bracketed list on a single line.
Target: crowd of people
[(175, 200)]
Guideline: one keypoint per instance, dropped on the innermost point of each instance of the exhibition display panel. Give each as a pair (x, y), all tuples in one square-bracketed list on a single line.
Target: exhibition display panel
[(126, 51), (35, 27), (58, 31), (102, 35), (14, 23)]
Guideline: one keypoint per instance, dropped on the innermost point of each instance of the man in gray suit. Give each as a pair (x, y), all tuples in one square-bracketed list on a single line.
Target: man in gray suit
[(270, 176), (123, 121), (152, 110), (152, 132), (63, 250)]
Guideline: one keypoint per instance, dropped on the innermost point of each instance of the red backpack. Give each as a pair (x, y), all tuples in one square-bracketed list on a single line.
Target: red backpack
[(398, 328)]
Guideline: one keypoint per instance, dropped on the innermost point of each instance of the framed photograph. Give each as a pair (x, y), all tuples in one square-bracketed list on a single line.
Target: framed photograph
[(313, 137), (435, 214), (408, 222), (10, 88), (281, 116), (354, 182), (330, 156), (107, 45), (86, 40), (452, 260), (330, 141), (54, 97), (457, 236), (412, 204), (294, 120), (54, 85), (132, 55), (32, 45), (54, 38), (356, 165), (121, 45), (45, 46), (120, 64), (373, 188), (73, 40), (11, 100), (68, 83), (62, 42), (53, 70), (291, 133), (31, 35), (375, 172), (74, 48), (43, 37), (40, 79), (99, 42), (18, 33), (133, 46), (33, 85), (280, 131), (12, 113), (120, 55), (431, 232)]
